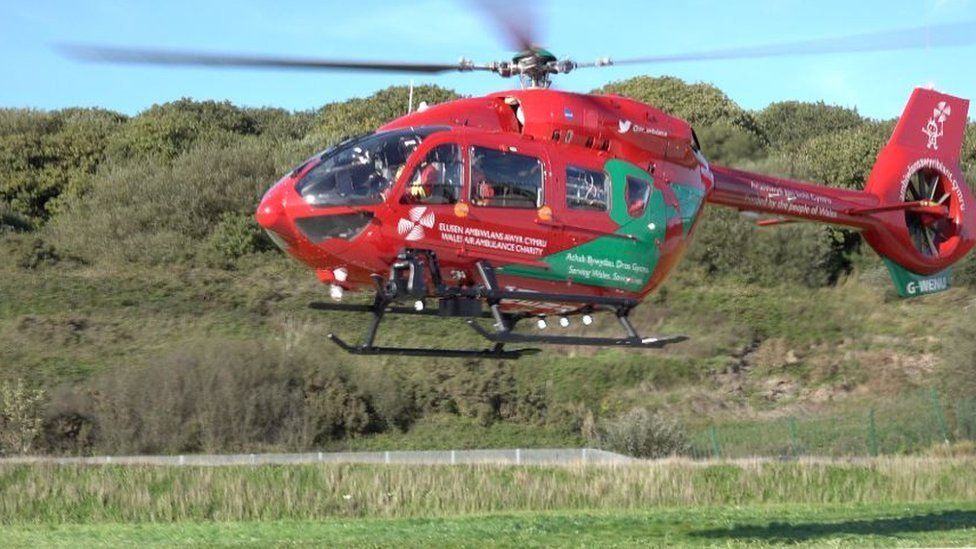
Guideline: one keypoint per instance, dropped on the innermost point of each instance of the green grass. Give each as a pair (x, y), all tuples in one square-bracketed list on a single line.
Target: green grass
[(887, 525), (49, 494)]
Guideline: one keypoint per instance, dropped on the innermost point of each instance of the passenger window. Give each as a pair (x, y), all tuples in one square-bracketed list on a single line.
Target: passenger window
[(638, 191), (505, 179), (437, 180), (587, 189)]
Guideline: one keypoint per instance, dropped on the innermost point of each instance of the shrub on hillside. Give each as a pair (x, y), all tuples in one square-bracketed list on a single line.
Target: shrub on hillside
[(32, 252), (209, 398), (21, 416), (729, 145), (790, 124), (337, 121), (964, 272), (47, 155), (160, 212), (844, 158), (12, 221), (969, 150), (335, 408), (168, 130), (280, 124), (644, 434), (237, 235), (727, 244)]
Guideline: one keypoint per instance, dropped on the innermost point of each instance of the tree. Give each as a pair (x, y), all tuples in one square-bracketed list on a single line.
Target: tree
[(170, 129), (44, 155), (699, 104), (337, 121), (844, 158), (790, 124)]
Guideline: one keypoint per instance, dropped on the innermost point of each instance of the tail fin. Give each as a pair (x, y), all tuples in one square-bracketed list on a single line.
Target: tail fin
[(927, 216), (933, 124)]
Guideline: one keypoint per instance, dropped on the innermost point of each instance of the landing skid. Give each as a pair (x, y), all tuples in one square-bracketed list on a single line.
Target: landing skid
[(407, 281), (498, 352)]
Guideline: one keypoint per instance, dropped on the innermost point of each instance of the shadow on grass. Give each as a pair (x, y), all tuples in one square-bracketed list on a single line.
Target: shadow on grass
[(796, 532)]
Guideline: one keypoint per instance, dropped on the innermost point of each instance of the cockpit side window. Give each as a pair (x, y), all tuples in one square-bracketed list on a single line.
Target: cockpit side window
[(437, 179), (361, 171)]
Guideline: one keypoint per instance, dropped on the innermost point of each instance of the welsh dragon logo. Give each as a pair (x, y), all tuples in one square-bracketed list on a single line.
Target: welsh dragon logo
[(936, 125), (413, 226)]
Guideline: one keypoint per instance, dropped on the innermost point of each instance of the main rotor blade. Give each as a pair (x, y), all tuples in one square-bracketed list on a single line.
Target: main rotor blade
[(186, 58), (515, 20), (935, 36)]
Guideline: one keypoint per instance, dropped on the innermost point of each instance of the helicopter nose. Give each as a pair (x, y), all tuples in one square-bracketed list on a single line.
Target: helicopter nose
[(271, 210)]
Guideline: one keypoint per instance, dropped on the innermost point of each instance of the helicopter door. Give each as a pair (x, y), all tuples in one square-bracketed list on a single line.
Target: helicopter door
[(507, 189)]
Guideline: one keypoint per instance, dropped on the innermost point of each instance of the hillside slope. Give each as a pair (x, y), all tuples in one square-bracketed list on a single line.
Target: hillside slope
[(136, 290)]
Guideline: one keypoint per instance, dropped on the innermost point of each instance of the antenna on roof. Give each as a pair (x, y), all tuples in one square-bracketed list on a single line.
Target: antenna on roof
[(410, 106)]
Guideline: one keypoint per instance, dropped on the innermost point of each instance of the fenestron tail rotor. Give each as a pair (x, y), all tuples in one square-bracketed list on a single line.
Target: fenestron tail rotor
[(929, 231)]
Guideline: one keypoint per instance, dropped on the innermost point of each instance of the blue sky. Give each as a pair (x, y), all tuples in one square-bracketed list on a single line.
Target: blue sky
[(877, 84)]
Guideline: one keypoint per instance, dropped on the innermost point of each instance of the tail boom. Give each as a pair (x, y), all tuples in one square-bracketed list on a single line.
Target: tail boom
[(793, 199), (916, 210)]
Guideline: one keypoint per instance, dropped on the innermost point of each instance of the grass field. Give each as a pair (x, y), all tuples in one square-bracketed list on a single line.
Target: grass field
[(886, 525), (886, 502)]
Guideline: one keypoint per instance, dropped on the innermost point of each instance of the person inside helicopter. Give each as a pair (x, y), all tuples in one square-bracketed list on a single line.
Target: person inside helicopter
[(437, 180), (505, 179), (360, 171)]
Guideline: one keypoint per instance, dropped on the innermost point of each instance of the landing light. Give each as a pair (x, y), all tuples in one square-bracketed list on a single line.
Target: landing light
[(340, 274), (541, 323), (564, 322), (587, 320), (336, 292)]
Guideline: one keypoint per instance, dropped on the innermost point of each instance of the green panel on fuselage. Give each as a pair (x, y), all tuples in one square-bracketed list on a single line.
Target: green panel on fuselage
[(624, 260)]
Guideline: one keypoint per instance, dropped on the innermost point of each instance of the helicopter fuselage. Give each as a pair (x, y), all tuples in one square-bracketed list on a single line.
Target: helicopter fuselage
[(561, 192)]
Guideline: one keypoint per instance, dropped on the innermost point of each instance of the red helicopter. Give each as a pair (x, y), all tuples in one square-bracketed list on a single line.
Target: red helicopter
[(534, 203)]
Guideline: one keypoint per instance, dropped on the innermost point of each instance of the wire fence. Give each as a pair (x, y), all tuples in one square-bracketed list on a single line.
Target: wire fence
[(516, 456), (911, 423)]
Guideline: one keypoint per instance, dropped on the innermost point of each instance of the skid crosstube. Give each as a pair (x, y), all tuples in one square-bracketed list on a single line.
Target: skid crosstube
[(407, 281), (634, 342)]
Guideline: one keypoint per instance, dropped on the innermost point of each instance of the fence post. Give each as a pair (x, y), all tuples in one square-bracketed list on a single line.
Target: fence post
[(939, 416), (794, 442), (872, 434), (716, 451)]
